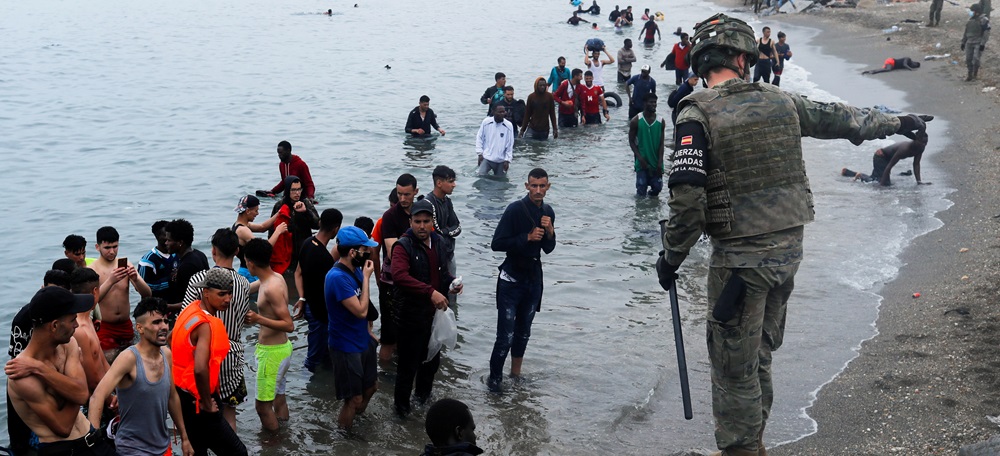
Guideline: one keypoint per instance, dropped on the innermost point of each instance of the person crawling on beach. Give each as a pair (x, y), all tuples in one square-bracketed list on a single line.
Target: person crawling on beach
[(899, 63), (885, 158)]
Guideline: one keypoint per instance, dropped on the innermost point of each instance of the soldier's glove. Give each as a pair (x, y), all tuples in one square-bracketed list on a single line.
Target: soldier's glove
[(912, 123), (962, 47), (666, 272), (982, 47)]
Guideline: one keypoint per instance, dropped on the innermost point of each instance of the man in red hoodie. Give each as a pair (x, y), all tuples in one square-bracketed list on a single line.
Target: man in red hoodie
[(291, 165)]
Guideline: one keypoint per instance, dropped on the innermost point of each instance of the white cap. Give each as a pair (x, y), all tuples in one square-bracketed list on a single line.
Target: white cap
[(645, 68)]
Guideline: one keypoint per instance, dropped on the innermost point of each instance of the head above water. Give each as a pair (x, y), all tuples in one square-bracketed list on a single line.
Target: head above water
[(561, 61), (225, 243), (180, 236), (541, 85), (628, 43), (284, 151), (499, 113), (450, 422), (508, 93), (425, 103), (537, 185), (406, 190)]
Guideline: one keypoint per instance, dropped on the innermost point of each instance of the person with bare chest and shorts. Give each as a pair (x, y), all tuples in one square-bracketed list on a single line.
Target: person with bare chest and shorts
[(116, 331), (46, 381), (274, 351)]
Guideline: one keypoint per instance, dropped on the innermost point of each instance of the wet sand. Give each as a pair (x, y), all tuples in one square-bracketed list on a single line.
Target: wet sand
[(927, 382)]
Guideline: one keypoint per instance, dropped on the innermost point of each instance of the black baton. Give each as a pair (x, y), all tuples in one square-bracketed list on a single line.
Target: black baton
[(682, 369)]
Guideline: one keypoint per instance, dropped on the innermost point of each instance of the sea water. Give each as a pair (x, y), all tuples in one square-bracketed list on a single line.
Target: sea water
[(122, 114)]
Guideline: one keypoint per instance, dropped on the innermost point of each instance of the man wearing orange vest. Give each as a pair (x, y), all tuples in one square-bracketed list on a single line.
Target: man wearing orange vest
[(200, 344)]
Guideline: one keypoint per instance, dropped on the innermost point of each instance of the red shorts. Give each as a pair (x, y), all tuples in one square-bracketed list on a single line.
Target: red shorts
[(116, 335)]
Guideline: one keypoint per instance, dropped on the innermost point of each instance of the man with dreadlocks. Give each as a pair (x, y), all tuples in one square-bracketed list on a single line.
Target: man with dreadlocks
[(738, 175)]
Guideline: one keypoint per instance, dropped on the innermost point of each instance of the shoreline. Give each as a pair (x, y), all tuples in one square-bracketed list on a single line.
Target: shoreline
[(919, 383)]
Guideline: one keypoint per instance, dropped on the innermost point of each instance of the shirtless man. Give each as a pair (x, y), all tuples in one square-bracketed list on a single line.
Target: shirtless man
[(86, 281), (116, 327), (274, 351), (247, 210), (887, 157), (46, 381), (145, 402)]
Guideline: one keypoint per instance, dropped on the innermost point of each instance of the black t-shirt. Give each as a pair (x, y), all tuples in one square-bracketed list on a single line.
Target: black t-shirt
[(395, 222), (316, 261), (192, 263)]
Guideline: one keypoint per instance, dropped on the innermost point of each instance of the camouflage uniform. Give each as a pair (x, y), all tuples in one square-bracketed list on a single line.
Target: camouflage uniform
[(754, 203), (977, 33), (935, 15)]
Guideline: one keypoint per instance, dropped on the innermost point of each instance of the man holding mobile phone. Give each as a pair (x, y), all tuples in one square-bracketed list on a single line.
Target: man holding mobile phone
[(115, 333)]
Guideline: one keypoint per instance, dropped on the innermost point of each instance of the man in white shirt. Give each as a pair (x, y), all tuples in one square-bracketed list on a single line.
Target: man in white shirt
[(495, 143)]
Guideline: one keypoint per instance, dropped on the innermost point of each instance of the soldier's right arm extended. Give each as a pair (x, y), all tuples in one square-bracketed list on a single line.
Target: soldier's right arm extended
[(837, 120), (687, 202)]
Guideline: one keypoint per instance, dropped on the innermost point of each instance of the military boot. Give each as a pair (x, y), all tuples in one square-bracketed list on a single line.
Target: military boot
[(970, 76), (761, 451), (975, 72)]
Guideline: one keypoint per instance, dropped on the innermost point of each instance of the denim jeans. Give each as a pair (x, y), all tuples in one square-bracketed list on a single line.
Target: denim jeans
[(516, 305), (317, 352), (645, 178)]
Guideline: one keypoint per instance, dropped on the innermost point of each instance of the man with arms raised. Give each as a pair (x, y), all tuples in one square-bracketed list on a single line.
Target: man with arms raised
[(232, 385), (46, 382), (274, 351), (352, 349), (199, 344), (141, 378), (116, 328)]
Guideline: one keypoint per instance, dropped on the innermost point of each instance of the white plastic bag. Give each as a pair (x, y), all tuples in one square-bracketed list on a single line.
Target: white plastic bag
[(444, 333)]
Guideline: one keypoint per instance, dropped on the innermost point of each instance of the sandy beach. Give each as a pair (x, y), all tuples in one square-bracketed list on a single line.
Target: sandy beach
[(926, 383)]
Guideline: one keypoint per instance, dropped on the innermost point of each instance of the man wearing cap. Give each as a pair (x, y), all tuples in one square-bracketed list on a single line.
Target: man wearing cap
[(232, 383), (200, 344), (274, 351), (738, 175), (637, 87), (420, 272), (46, 382), (526, 229), (352, 348), (291, 165)]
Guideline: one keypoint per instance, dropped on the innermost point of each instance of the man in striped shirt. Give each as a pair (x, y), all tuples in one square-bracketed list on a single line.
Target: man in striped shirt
[(232, 385)]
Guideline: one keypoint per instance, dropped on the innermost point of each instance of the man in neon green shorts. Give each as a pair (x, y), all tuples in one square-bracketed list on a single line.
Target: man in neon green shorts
[(274, 351)]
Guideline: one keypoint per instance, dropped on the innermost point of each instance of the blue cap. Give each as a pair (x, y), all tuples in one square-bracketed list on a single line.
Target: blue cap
[(352, 236)]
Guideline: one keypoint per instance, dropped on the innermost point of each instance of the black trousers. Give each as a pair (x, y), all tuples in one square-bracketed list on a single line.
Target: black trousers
[(411, 352), (209, 431)]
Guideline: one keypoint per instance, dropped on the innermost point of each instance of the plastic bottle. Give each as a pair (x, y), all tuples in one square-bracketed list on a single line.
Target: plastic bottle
[(455, 283), (893, 29)]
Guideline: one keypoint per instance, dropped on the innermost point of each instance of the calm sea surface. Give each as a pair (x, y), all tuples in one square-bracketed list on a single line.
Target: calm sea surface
[(124, 113)]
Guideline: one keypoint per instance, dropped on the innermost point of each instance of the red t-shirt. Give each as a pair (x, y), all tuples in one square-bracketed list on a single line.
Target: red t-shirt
[(281, 255), (590, 98), (680, 56)]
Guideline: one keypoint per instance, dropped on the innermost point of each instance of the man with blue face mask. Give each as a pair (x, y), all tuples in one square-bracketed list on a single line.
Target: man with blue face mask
[(977, 33)]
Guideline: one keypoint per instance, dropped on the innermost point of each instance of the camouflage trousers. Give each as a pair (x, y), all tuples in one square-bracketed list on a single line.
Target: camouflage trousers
[(972, 55), (740, 352)]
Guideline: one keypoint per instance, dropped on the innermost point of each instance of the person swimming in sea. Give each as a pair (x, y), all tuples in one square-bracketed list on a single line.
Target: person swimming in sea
[(900, 63), (887, 157)]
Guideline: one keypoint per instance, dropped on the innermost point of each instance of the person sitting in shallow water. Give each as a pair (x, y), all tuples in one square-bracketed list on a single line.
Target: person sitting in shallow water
[(900, 63), (887, 157)]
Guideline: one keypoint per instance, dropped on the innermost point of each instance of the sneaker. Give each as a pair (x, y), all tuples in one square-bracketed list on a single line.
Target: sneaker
[(494, 384)]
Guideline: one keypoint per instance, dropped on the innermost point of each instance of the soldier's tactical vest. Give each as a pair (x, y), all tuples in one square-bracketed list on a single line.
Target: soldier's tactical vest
[(974, 29), (756, 177)]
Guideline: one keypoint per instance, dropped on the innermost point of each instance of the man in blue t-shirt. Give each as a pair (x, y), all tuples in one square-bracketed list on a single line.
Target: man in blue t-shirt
[(352, 349), (641, 84)]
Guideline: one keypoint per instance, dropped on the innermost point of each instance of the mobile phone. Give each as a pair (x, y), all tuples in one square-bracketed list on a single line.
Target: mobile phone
[(123, 262)]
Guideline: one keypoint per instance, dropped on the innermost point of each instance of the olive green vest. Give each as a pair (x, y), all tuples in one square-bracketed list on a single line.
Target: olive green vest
[(757, 180), (974, 29)]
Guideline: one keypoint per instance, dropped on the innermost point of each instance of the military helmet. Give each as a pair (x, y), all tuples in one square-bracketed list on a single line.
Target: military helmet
[(719, 38), (976, 8)]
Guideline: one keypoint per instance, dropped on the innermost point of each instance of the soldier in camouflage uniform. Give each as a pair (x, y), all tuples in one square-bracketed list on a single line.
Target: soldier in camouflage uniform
[(738, 175), (977, 32)]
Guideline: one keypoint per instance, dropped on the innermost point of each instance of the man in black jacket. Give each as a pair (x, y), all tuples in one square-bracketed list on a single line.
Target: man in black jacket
[(420, 275), (526, 229), (494, 92)]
